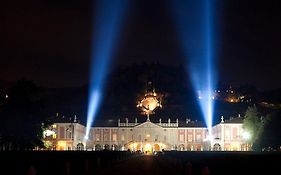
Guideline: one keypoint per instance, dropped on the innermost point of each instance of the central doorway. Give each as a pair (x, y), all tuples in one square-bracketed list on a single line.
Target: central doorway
[(147, 148)]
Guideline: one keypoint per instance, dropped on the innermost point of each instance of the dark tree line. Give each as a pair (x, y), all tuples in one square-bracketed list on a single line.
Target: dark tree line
[(264, 128), (21, 115)]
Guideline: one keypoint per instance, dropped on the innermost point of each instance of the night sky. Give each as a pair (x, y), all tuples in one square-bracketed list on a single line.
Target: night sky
[(50, 41)]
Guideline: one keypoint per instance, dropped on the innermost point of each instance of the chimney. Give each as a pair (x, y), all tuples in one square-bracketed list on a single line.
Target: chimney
[(222, 119)]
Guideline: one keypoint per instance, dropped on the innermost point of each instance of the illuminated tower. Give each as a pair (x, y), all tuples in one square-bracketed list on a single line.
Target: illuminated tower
[(150, 101)]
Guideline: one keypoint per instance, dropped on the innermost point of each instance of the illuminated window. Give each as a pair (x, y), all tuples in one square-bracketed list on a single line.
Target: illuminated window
[(198, 138), (181, 138), (54, 126), (189, 138), (106, 137), (97, 137), (54, 136), (114, 137), (227, 134), (62, 132)]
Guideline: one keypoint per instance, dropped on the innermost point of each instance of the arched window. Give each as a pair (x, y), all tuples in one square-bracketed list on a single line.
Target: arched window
[(80, 146), (98, 147)]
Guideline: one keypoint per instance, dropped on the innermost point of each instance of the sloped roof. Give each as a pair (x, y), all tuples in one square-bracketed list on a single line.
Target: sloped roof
[(149, 123)]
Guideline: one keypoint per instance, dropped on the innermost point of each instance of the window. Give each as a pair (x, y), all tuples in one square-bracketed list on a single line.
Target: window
[(234, 133), (165, 138), (227, 134), (62, 132), (189, 138), (198, 138), (97, 137), (114, 137), (122, 137), (181, 138), (106, 137)]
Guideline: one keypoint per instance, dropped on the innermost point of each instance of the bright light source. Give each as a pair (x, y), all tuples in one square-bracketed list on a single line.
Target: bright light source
[(246, 135), (7, 96), (48, 133), (209, 138), (106, 26), (86, 137), (147, 148), (199, 49), (92, 110)]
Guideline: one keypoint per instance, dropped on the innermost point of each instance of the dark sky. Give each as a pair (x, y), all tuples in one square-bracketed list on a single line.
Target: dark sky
[(49, 41)]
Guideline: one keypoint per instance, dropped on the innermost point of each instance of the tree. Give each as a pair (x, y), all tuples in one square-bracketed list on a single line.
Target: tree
[(21, 117), (272, 131), (254, 125)]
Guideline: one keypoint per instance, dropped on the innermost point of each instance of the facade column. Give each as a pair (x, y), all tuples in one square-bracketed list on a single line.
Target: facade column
[(193, 139), (110, 146)]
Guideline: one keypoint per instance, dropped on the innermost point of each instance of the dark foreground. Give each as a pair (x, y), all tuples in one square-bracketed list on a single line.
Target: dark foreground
[(123, 163)]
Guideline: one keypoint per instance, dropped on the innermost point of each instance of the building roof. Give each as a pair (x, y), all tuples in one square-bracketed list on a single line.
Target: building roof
[(235, 120), (61, 119), (105, 123), (198, 124)]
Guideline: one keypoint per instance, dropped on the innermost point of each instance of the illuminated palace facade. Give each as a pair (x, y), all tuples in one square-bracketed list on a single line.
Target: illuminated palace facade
[(147, 136)]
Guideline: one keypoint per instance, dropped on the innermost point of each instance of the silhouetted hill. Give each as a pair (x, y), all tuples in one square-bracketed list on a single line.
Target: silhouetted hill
[(125, 85), (272, 96), (4, 84)]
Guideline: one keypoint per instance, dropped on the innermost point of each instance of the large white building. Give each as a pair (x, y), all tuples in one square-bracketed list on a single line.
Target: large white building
[(147, 136)]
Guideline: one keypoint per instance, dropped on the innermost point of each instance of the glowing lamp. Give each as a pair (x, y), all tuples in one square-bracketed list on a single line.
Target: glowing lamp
[(246, 135), (48, 132)]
